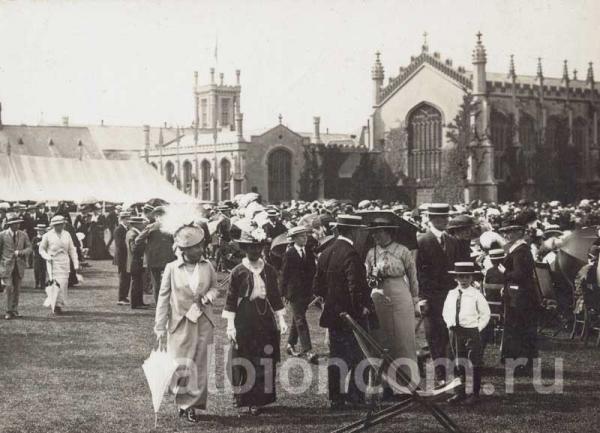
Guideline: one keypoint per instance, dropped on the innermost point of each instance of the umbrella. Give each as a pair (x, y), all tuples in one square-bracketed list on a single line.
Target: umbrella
[(52, 291), (405, 233), (158, 369), (573, 253)]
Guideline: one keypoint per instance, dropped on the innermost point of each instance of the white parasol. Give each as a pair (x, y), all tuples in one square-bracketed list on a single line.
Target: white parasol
[(52, 289), (159, 369)]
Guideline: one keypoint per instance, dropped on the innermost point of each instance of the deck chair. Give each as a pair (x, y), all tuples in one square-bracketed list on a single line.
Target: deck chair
[(547, 298), (380, 362)]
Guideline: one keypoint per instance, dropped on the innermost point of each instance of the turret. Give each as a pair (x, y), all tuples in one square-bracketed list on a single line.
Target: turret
[(479, 61), (377, 75)]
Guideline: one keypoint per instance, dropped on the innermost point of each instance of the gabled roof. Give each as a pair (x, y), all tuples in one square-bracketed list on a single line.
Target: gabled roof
[(49, 141), (459, 75), (276, 127)]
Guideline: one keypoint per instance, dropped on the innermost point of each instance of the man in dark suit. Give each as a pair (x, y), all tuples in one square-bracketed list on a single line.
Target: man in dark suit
[(437, 254), (341, 281), (521, 301), (274, 227), (120, 258), (297, 275), (135, 261), (158, 247)]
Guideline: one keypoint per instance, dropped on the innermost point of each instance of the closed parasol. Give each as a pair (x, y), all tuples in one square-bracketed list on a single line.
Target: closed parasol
[(158, 369)]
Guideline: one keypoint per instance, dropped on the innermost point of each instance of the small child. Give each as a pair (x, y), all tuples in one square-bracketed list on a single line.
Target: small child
[(39, 264), (466, 313)]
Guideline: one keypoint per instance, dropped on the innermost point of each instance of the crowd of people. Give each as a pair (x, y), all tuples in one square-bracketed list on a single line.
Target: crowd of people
[(281, 259)]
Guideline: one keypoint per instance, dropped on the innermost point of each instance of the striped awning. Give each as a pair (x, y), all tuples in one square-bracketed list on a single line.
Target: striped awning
[(52, 179)]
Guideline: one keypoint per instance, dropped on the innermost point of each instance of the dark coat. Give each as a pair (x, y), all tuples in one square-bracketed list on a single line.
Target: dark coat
[(520, 268), (297, 274), (158, 246), (135, 253), (41, 218), (341, 280), (120, 259), (273, 231), (433, 264)]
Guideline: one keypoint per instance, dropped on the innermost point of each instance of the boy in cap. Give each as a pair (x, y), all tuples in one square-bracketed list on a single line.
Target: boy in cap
[(466, 313)]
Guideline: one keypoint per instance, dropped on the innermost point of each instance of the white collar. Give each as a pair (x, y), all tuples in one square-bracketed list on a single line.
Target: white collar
[(343, 238), (254, 268), (299, 248)]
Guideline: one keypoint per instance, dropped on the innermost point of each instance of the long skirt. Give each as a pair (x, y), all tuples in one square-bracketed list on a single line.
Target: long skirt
[(397, 324), (253, 361), (189, 345), (58, 269)]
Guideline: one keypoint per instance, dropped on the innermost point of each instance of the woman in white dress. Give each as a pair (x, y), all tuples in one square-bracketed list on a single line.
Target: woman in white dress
[(57, 248)]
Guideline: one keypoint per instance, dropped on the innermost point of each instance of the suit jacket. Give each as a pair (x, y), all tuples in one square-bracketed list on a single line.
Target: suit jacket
[(297, 274), (135, 253), (433, 264), (520, 268), (158, 246), (41, 218), (341, 280), (8, 260), (176, 296), (273, 231), (120, 259)]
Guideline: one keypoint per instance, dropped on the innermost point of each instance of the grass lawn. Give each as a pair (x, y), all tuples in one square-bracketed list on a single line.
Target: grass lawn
[(81, 372)]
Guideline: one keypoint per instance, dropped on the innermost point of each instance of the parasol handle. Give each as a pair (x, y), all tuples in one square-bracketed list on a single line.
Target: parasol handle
[(155, 419)]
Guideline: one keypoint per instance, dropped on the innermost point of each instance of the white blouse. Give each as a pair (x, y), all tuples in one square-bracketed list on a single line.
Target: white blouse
[(53, 246)]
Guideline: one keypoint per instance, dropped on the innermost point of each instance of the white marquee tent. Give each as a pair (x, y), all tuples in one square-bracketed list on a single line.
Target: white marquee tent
[(38, 178)]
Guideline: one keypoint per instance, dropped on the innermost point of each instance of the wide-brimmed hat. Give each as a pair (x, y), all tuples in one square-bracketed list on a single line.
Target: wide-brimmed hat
[(13, 219), (124, 214), (188, 236), (344, 220), (382, 222), (464, 268), (298, 230), (459, 222), (497, 254), (438, 209), (57, 220), (512, 223)]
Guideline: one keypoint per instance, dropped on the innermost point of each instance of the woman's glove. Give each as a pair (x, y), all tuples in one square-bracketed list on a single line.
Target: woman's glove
[(231, 334), (283, 328), (417, 307)]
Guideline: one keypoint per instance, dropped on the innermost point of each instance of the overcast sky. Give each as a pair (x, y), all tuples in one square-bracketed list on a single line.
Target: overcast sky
[(132, 62)]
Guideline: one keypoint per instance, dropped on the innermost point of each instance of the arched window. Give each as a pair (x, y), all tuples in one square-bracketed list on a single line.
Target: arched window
[(170, 171), (425, 143), (501, 128), (187, 177), (205, 180), (528, 139), (225, 179), (557, 134), (280, 176)]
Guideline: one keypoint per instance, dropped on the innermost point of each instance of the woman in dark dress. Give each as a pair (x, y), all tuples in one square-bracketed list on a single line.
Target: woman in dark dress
[(255, 321)]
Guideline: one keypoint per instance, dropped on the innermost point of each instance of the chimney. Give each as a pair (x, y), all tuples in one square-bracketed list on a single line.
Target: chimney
[(239, 121), (195, 80), (221, 76), (212, 75), (317, 121), (65, 121), (237, 76), (80, 145)]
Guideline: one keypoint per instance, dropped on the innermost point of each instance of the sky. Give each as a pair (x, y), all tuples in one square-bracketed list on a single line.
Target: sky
[(132, 62)]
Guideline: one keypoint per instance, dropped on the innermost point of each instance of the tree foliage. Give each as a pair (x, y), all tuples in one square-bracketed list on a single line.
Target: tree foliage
[(310, 177)]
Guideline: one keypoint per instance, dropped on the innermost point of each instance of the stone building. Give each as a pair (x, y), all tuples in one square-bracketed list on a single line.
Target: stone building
[(536, 136)]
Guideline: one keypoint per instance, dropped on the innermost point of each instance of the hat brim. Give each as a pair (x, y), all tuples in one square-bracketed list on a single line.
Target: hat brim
[(464, 273), (248, 242), (14, 222), (511, 228), (356, 226), (382, 227), (437, 213)]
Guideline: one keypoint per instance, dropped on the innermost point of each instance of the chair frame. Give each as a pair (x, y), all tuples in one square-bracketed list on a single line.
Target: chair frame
[(374, 417)]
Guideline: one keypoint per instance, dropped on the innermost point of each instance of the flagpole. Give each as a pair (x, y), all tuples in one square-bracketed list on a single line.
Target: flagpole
[(215, 131)]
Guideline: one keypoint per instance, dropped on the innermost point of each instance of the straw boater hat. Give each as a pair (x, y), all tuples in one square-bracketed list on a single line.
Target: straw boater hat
[(298, 230), (272, 212), (137, 220), (57, 220), (41, 228), (438, 209), (124, 215), (354, 221), (148, 207), (464, 268), (13, 219), (497, 254), (188, 236)]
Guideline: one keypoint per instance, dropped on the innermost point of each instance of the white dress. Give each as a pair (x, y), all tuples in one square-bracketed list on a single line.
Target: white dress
[(56, 249)]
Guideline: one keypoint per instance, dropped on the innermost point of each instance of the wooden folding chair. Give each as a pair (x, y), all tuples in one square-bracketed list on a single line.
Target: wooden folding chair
[(548, 299), (381, 361)]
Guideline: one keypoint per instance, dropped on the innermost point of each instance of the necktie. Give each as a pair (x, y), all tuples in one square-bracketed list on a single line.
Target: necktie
[(301, 253), (15, 238), (443, 241), (458, 300)]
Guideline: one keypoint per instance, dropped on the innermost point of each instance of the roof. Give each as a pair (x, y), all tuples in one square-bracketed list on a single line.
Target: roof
[(338, 140), (58, 141), (532, 80), (130, 138), (204, 138)]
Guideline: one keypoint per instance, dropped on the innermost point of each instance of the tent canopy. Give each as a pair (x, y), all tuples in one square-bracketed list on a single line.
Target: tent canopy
[(37, 178)]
